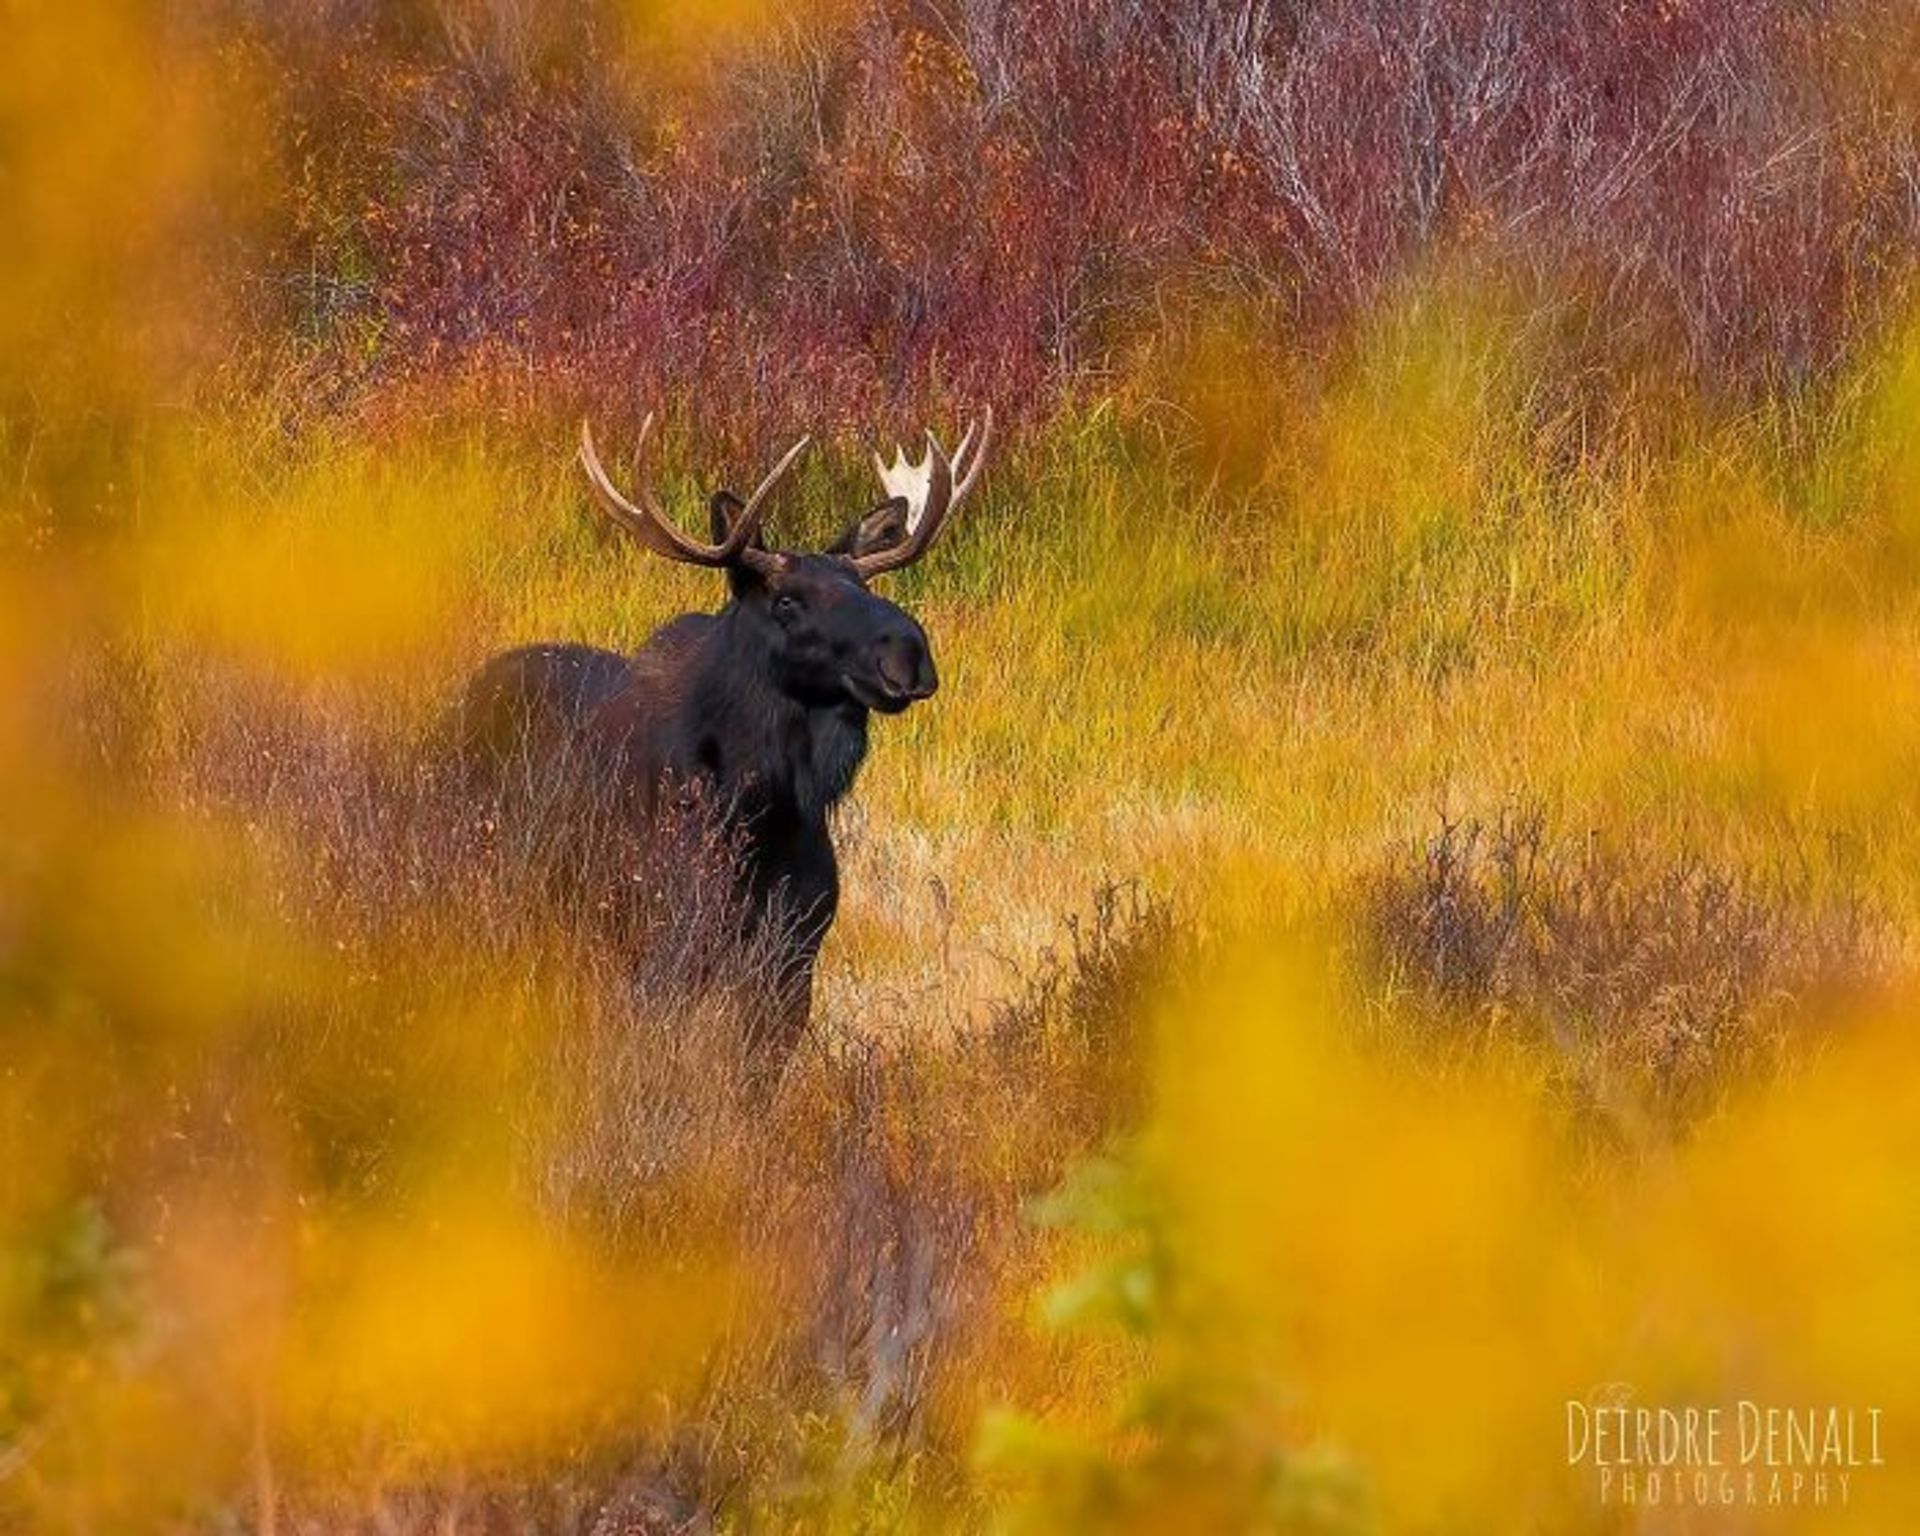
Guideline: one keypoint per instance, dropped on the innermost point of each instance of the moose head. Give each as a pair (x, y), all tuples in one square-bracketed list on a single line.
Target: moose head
[(825, 635)]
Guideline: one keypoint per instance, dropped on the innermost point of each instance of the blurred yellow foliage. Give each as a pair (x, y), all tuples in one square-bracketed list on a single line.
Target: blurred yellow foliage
[(473, 1336), (1432, 1275), (675, 38), (351, 571)]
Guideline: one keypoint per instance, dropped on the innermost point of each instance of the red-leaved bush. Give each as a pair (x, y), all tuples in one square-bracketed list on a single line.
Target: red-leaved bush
[(867, 207)]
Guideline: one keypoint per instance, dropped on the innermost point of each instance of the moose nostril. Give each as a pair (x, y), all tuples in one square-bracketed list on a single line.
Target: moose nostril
[(907, 669), (896, 670)]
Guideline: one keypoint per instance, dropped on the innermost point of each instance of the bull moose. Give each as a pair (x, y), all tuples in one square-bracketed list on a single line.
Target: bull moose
[(761, 708)]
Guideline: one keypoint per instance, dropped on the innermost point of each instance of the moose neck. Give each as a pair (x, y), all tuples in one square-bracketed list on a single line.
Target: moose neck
[(790, 754)]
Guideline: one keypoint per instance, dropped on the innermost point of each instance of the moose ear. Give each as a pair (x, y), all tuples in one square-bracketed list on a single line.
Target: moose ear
[(883, 527), (722, 508)]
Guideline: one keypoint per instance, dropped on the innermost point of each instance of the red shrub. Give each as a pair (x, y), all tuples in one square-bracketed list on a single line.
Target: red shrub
[(883, 204)]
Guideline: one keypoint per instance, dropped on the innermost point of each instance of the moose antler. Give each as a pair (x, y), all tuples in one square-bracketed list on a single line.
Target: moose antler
[(931, 489), (647, 523)]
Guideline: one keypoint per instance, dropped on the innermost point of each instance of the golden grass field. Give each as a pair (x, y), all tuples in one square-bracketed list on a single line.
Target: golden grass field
[(1400, 915)]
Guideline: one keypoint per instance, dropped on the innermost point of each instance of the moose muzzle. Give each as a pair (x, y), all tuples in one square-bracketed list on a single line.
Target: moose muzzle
[(905, 666)]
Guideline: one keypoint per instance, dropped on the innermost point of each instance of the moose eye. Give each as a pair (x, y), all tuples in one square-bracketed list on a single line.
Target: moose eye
[(786, 606)]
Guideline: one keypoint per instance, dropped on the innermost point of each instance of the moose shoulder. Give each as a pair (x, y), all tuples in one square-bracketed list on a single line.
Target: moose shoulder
[(759, 710)]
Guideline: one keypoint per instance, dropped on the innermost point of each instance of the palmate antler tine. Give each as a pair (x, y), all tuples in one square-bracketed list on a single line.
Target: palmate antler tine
[(647, 523), (637, 458), (968, 468), (906, 480), (930, 490), (747, 524), (643, 519)]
